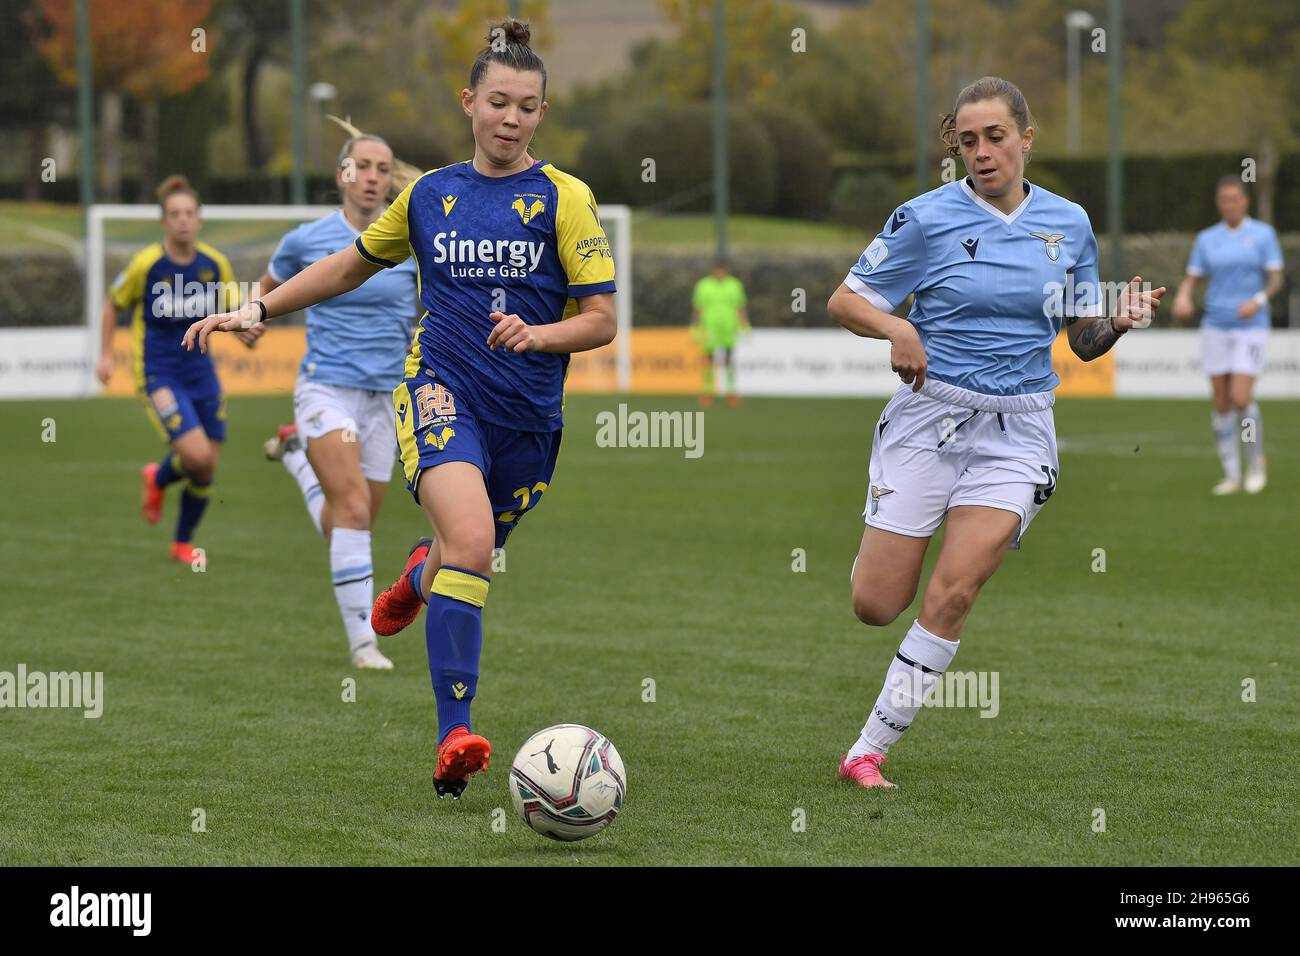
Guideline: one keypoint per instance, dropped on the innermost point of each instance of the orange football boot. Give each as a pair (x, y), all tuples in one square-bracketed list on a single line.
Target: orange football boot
[(151, 496), (399, 605), (184, 552), (460, 756)]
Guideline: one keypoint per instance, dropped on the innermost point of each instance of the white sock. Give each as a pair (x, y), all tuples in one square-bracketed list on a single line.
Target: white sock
[(1255, 447), (921, 660), (354, 582), (1225, 441), (296, 463)]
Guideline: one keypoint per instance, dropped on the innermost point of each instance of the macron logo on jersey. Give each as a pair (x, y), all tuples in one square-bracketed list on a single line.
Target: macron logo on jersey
[(898, 222), (487, 258)]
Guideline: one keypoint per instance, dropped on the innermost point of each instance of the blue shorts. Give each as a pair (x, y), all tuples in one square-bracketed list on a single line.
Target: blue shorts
[(174, 412), (434, 427)]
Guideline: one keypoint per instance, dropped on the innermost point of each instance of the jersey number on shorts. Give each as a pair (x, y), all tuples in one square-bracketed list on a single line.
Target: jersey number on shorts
[(1043, 492), (432, 401), (525, 498)]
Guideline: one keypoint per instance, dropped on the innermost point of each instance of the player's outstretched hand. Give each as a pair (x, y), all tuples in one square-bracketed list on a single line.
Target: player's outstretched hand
[(513, 334), (1135, 308), (907, 355), (243, 318)]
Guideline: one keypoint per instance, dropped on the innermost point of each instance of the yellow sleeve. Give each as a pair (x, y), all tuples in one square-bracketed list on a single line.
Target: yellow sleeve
[(232, 295), (581, 242), (127, 289), (387, 241)]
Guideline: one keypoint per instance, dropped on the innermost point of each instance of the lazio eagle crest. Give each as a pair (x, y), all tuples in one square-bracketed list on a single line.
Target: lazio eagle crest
[(1053, 240), (527, 212)]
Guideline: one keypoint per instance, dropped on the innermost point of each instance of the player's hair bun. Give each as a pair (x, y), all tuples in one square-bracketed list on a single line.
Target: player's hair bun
[(508, 44), (511, 31), (173, 184)]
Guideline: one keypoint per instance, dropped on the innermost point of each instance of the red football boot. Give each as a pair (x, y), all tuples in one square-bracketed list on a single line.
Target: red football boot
[(460, 756), (184, 552), (151, 496), (399, 605)]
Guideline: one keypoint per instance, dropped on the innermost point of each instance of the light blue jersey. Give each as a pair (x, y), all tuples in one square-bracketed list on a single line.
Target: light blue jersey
[(989, 289), (1236, 260), (358, 339)]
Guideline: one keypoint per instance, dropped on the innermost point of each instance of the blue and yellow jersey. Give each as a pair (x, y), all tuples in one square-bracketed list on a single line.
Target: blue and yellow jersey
[(165, 298), (529, 243)]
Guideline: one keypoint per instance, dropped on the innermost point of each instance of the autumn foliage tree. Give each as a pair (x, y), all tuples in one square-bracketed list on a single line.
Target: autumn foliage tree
[(144, 50)]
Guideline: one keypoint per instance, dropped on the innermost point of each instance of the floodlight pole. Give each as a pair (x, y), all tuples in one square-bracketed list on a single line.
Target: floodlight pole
[(85, 105), (922, 98), (298, 182), (1076, 21), (1115, 149), (720, 154)]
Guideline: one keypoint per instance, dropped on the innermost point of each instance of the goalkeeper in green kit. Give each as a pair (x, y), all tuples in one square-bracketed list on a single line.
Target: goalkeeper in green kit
[(718, 319)]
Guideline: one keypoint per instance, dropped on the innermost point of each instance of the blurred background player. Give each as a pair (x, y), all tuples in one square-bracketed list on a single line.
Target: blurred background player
[(166, 286), (969, 438), (479, 414), (342, 445), (718, 319), (1243, 260)]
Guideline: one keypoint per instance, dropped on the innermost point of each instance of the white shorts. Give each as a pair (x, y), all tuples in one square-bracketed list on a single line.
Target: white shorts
[(364, 415), (931, 451), (1233, 351)]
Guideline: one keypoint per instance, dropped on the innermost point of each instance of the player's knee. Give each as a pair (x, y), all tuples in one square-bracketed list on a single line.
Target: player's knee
[(952, 599), (352, 511), (201, 466), (469, 549), (877, 610)]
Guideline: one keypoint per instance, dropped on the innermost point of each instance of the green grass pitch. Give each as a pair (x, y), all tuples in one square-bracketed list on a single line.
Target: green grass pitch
[(1120, 691)]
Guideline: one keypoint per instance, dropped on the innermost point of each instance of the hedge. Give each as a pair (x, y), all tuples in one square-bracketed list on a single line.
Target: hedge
[(664, 279)]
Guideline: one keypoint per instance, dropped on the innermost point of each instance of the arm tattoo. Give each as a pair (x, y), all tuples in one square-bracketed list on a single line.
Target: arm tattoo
[(1096, 339)]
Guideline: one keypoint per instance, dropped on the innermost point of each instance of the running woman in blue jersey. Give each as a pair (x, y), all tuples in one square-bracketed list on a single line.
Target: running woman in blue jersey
[(994, 266), (167, 286), (1242, 260), (343, 405), (506, 246)]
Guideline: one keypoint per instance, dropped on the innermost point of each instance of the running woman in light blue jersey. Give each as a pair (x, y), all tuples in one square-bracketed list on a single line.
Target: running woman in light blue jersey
[(1242, 260), (994, 266), (343, 408)]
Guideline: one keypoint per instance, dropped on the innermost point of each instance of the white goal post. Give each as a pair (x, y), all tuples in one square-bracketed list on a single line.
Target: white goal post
[(616, 219)]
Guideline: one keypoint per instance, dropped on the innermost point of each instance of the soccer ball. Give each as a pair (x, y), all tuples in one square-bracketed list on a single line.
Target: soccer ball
[(568, 782)]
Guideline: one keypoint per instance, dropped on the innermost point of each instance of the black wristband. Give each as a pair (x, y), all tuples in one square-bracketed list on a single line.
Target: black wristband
[(1118, 332), (261, 305)]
